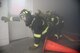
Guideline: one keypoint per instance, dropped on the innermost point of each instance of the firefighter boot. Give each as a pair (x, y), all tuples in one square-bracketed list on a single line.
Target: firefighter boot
[(33, 48)]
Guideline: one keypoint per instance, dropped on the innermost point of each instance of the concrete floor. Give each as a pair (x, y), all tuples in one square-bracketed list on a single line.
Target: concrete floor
[(22, 46)]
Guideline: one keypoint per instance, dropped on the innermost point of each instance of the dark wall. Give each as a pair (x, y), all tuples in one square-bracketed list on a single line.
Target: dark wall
[(79, 14), (68, 9)]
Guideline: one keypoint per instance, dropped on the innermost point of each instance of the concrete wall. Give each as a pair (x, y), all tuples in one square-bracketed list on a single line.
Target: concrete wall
[(79, 15), (68, 9), (18, 30), (4, 34)]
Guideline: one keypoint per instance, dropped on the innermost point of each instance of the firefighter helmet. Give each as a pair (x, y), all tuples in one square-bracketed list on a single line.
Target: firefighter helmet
[(24, 13)]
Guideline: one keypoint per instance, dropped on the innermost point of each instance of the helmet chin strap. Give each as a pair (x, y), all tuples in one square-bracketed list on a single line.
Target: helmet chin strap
[(32, 22)]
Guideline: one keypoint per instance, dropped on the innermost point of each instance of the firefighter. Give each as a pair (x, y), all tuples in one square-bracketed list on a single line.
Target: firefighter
[(55, 23), (36, 23)]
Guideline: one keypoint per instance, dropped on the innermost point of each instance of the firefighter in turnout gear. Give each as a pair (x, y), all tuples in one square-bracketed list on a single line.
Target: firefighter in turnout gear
[(55, 23), (36, 23)]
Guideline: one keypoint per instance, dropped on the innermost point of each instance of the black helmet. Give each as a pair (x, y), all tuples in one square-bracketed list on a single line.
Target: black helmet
[(24, 12)]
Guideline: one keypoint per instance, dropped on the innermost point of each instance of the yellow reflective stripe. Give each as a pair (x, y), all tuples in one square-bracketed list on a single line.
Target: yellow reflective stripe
[(11, 18), (36, 45), (26, 12), (52, 19), (58, 20), (23, 12), (56, 36), (45, 30), (37, 35)]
